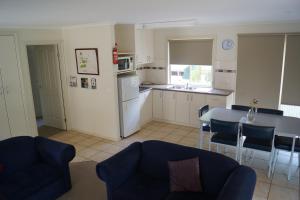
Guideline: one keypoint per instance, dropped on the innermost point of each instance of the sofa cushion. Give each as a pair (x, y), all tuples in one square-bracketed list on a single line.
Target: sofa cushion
[(1, 168), (23, 183), (16, 154), (140, 186), (156, 154), (189, 196), (185, 175)]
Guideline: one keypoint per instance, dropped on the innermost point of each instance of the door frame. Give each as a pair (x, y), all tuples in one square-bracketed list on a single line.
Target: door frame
[(63, 73)]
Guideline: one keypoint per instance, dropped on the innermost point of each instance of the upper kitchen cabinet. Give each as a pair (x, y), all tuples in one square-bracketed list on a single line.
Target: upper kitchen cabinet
[(133, 40), (125, 38), (144, 46)]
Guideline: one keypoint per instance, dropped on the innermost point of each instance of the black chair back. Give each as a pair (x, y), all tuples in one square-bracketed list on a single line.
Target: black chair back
[(240, 107), (270, 111), (203, 110), (218, 126), (258, 132)]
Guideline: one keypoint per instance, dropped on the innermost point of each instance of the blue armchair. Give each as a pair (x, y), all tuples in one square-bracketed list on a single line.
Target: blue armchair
[(34, 168), (141, 172)]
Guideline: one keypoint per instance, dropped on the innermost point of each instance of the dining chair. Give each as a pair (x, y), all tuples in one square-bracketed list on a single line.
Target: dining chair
[(258, 138), (286, 144), (201, 112), (240, 107), (224, 133), (270, 111)]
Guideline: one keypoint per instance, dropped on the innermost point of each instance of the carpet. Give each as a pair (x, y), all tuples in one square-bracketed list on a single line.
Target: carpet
[(85, 183)]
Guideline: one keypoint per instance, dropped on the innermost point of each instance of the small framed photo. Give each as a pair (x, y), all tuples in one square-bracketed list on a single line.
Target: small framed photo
[(73, 81), (87, 61), (84, 83), (93, 83)]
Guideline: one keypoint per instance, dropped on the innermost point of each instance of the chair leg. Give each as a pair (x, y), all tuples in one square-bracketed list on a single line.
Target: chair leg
[(209, 142), (241, 155), (275, 160), (237, 154), (201, 133), (290, 166), (291, 159), (270, 162)]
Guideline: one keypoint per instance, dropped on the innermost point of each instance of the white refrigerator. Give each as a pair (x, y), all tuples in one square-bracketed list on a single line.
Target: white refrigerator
[(128, 89)]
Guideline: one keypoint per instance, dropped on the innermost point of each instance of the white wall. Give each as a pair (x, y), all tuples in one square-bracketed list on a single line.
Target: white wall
[(221, 59), (93, 111)]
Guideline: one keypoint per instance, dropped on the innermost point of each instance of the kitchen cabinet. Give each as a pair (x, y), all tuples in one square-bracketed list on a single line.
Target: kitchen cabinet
[(145, 99), (216, 101), (144, 46), (183, 107), (157, 96), (169, 105), (125, 38), (133, 40), (197, 101)]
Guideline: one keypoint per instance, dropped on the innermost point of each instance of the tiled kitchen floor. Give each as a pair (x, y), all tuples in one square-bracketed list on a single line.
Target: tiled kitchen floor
[(276, 188)]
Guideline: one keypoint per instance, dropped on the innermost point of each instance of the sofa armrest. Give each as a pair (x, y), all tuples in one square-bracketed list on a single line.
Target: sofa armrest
[(53, 152), (117, 169), (239, 185)]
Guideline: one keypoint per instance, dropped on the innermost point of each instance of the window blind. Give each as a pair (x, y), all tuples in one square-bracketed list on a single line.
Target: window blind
[(191, 52), (259, 69), (291, 79)]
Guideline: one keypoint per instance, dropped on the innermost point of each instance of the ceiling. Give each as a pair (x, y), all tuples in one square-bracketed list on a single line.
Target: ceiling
[(15, 13)]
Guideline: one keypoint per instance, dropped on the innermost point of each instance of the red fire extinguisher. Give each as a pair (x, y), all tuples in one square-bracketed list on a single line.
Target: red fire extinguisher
[(115, 54)]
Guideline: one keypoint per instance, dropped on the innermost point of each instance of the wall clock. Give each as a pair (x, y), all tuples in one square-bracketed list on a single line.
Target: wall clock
[(227, 44)]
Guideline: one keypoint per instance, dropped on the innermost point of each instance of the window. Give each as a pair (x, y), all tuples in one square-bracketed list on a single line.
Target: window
[(191, 62), (198, 75)]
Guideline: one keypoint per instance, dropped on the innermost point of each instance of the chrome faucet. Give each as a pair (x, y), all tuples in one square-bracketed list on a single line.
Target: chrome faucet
[(187, 85)]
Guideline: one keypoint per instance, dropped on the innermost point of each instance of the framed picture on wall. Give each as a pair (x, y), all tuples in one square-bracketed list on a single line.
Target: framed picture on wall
[(87, 61)]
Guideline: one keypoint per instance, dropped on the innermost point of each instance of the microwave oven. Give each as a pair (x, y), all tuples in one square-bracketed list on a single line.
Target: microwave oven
[(125, 64)]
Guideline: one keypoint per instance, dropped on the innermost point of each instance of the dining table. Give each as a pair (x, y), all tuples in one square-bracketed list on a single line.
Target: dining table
[(284, 125)]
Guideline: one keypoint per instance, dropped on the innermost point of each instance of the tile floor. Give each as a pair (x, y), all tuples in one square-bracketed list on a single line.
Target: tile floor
[(276, 188)]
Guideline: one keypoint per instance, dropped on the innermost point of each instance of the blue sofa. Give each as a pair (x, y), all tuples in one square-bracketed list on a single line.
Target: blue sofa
[(34, 168), (141, 172)]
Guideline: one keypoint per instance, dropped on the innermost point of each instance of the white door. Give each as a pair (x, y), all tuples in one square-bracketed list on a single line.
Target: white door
[(197, 101), (131, 117), (157, 104), (12, 86), (183, 107), (46, 60), (5, 130), (169, 105)]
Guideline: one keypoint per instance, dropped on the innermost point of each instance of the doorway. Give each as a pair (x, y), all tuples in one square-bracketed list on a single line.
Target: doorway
[(46, 82)]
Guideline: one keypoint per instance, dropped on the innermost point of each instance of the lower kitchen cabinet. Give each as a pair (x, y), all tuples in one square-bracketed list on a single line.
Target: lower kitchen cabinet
[(169, 105), (182, 107), (145, 99), (157, 97), (216, 101), (197, 101)]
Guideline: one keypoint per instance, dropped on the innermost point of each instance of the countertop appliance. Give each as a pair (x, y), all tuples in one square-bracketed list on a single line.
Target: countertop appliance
[(125, 64), (128, 90)]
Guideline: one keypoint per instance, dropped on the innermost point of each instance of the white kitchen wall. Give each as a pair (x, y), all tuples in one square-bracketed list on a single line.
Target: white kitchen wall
[(93, 111), (222, 59)]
